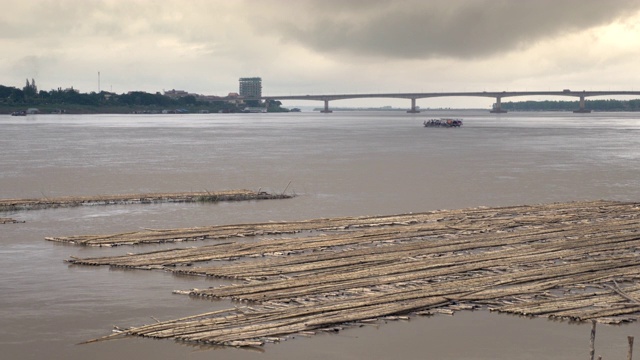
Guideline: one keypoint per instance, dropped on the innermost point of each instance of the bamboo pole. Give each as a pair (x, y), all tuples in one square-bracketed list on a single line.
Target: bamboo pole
[(592, 342)]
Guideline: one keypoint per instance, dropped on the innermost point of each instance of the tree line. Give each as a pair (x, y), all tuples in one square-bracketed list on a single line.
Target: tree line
[(29, 96), (595, 105)]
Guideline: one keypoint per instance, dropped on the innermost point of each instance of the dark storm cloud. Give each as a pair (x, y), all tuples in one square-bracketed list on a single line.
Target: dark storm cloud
[(436, 28)]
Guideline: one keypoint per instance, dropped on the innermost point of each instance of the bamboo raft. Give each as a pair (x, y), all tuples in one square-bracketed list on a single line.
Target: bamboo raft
[(124, 199), (574, 261)]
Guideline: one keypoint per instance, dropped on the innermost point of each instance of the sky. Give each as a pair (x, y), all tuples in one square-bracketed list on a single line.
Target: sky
[(323, 46)]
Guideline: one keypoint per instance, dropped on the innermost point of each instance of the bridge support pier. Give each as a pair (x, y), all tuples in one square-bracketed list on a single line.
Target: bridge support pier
[(582, 110), (413, 109), (497, 107), (326, 107)]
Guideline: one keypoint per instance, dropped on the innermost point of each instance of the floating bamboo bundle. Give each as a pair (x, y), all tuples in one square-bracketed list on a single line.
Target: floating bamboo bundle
[(71, 201), (439, 222), (576, 261)]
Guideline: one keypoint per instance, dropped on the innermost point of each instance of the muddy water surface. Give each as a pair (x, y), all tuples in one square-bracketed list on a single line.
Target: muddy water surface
[(339, 164)]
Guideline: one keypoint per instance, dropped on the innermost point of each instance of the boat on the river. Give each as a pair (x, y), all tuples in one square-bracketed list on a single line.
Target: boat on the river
[(443, 122), (19, 113)]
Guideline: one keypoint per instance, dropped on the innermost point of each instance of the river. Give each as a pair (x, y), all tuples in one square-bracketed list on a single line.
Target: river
[(339, 164)]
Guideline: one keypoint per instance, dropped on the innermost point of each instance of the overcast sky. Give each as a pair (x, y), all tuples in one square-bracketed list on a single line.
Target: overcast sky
[(323, 46)]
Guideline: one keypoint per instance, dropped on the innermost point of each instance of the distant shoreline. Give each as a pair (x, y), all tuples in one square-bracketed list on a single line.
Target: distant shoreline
[(97, 110), (122, 110)]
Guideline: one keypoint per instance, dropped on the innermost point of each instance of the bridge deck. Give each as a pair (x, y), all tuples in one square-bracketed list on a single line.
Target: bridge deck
[(490, 94)]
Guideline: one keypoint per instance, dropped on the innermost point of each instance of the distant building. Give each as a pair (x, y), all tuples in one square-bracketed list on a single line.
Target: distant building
[(251, 87), (208, 98), (175, 94), (234, 98)]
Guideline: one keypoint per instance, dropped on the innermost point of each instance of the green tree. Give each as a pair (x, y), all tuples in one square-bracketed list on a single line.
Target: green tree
[(275, 106), (5, 92), (30, 90), (17, 96), (187, 100)]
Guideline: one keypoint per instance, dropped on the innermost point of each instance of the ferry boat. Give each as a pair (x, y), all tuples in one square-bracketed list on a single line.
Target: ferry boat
[(443, 122)]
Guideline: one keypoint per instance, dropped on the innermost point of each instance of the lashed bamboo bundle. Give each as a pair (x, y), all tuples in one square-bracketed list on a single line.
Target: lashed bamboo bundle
[(71, 201), (439, 222), (576, 261)]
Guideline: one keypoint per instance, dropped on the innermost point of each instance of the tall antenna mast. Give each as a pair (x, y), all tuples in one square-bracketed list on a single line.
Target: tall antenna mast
[(98, 82)]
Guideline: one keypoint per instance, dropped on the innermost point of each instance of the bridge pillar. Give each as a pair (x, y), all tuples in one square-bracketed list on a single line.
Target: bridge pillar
[(497, 107), (413, 109), (582, 110), (326, 107)]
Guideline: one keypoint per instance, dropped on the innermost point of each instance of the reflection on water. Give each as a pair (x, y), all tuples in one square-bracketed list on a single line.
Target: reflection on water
[(352, 163)]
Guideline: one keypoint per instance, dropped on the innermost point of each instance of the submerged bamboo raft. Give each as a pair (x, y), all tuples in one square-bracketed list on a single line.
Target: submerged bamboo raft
[(148, 198), (575, 261)]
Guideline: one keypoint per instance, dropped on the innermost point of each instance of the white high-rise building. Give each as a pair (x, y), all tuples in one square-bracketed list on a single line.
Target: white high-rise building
[(251, 87)]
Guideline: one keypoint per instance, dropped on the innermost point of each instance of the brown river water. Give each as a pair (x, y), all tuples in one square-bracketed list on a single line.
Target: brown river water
[(340, 164)]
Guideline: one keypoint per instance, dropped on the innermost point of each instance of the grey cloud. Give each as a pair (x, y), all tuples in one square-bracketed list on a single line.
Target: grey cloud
[(437, 28), (122, 21), (53, 19)]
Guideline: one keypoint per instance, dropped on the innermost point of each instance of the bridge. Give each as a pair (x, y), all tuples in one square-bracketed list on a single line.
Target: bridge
[(497, 106)]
